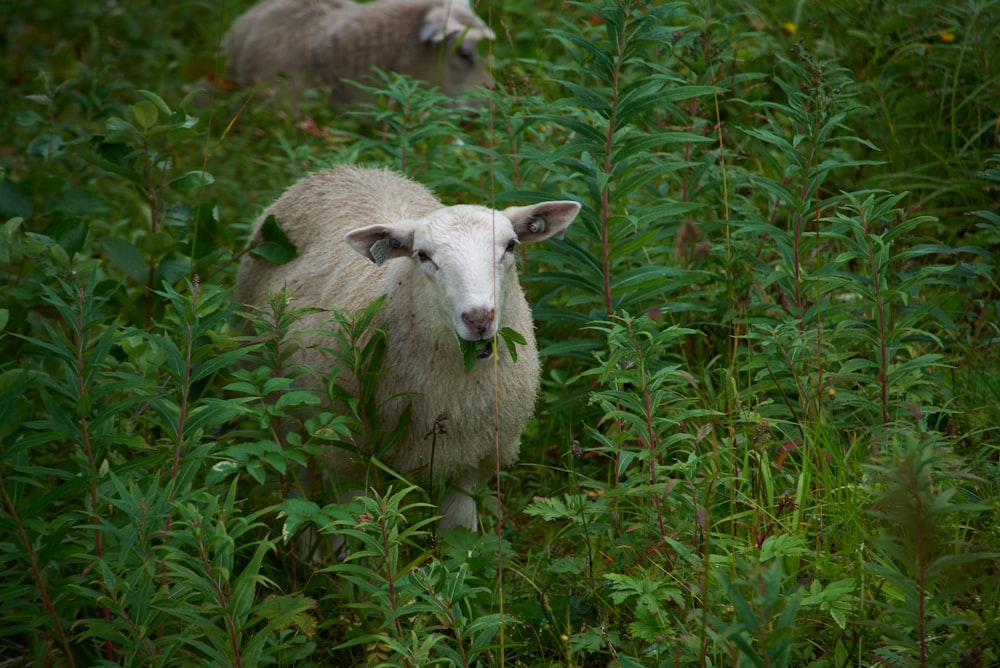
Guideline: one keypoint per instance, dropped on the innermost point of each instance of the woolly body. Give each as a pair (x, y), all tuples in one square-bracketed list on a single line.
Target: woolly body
[(322, 42), (469, 251)]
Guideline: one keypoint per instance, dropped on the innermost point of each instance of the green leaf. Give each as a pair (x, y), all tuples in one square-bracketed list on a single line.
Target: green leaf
[(45, 147), (629, 662), (471, 351), (782, 545), (126, 257), (275, 246), (297, 511), (77, 202), (12, 202), (172, 268), (156, 101), (512, 338), (116, 157), (145, 114), (548, 509), (192, 181), (297, 398), (121, 130), (158, 244), (13, 405), (70, 234)]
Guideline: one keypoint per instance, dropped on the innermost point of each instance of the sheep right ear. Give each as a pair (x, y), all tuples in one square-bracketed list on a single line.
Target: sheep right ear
[(379, 243), (441, 23)]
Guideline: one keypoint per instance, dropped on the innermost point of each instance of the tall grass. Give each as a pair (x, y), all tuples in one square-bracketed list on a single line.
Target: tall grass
[(767, 428)]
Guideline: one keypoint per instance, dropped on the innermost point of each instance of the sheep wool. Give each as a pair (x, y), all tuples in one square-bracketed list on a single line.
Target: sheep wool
[(447, 273), (309, 43)]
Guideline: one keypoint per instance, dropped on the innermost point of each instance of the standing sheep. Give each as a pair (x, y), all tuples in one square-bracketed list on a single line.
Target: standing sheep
[(448, 273), (327, 42)]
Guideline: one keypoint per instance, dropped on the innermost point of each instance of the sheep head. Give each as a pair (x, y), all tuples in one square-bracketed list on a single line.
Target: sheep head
[(452, 31), (465, 256)]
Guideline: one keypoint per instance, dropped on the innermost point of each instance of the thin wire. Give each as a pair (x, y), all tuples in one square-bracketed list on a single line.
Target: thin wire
[(496, 321)]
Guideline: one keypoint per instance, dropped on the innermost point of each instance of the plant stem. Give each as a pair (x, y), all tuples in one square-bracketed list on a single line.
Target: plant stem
[(389, 579), (608, 169), (151, 192), (186, 384), (883, 352), (36, 571), (223, 597), (459, 642), (89, 451), (648, 419)]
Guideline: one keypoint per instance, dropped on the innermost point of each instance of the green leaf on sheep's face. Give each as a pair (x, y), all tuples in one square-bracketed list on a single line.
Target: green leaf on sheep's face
[(470, 351), (474, 350), (275, 247), (512, 338)]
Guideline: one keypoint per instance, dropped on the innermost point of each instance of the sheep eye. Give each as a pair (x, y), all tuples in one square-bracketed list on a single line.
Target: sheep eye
[(466, 50), (510, 246), (423, 256)]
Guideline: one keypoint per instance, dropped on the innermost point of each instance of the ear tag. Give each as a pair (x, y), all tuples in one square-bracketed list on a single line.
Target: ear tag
[(537, 225), (379, 251)]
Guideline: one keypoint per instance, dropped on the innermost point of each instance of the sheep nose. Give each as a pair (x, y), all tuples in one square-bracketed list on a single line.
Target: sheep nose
[(479, 321)]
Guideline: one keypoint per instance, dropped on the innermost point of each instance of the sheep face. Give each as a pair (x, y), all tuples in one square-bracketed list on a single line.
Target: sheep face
[(465, 257), (450, 35), (464, 254)]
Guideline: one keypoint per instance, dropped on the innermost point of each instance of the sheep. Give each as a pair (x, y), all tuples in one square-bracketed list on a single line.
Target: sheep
[(328, 42), (448, 273)]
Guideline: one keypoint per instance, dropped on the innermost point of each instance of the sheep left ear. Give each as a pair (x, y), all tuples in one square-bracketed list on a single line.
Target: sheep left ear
[(379, 243), (541, 221)]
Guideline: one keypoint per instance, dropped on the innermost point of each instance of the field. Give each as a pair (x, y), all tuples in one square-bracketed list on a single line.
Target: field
[(767, 433)]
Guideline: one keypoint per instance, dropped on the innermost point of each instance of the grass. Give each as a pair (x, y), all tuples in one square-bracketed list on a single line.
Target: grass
[(766, 433)]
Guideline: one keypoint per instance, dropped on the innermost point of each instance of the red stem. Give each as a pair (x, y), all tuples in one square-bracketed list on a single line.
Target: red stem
[(36, 571), (605, 199), (883, 362), (223, 597), (650, 432), (109, 652)]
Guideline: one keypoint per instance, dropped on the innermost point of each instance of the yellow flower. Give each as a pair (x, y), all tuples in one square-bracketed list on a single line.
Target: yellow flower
[(946, 36), (831, 393), (790, 27)]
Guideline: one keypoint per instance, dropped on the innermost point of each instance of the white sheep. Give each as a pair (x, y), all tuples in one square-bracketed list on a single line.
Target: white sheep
[(448, 273), (327, 42)]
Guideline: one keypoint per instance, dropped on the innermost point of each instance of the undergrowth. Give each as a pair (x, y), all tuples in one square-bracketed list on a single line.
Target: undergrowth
[(766, 433)]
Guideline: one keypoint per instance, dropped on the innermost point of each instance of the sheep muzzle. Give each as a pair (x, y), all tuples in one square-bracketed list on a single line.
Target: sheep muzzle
[(477, 324)]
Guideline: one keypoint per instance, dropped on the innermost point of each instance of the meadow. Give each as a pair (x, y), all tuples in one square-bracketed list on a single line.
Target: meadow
[(767, 429)]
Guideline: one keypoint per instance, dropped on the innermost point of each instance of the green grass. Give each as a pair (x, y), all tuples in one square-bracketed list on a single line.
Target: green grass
[(766, 433)]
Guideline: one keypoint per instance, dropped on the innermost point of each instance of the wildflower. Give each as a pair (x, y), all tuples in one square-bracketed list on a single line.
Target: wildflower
[(688, 233), (789, 27), (946, 35)]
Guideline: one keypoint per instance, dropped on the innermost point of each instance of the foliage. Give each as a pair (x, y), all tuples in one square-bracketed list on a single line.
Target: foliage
[(766, 432)]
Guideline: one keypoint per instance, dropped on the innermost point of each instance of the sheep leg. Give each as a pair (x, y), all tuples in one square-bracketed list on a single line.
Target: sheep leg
[(458, 507)]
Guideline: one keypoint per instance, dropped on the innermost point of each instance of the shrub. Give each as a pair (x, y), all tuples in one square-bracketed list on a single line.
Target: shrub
[(766, 433)]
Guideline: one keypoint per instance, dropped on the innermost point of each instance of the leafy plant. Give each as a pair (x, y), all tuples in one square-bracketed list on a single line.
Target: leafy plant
[(766, 432), (924, 557)]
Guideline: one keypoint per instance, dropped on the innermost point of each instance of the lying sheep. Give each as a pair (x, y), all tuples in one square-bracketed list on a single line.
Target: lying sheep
[(326, 42), (448, 273)]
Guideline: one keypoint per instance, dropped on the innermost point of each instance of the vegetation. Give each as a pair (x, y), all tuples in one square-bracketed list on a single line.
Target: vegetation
[(767, 434)]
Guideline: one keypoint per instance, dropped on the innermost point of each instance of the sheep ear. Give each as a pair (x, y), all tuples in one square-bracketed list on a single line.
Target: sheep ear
[(444, 22), (379, 243), (541, 221)]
